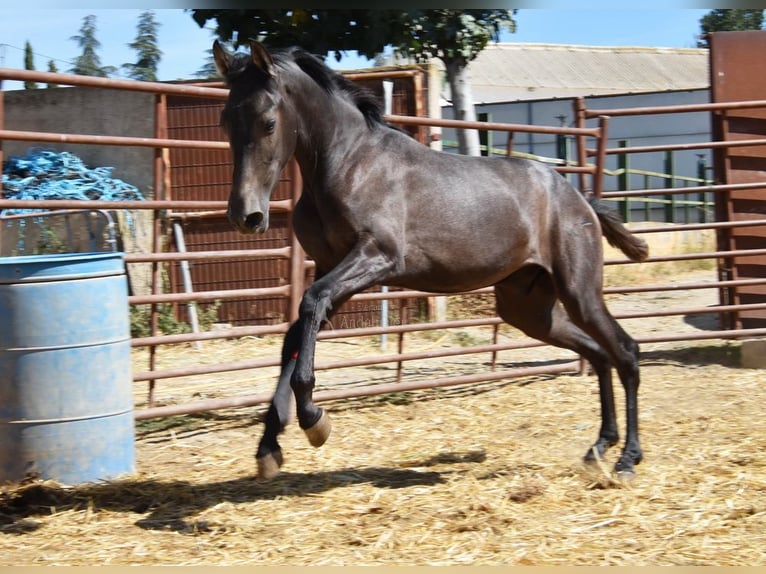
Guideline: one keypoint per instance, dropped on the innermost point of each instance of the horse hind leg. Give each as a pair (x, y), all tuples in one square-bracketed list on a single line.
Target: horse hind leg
[(579, 290), (527, 300)]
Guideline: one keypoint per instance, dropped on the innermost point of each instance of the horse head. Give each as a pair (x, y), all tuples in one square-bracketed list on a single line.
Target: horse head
[(261, 132)]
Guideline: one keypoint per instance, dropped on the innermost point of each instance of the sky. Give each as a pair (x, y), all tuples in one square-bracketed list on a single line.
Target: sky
[(184, 44)]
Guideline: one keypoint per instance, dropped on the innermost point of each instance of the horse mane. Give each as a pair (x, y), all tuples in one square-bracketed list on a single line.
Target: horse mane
[(241, 67), (332, 82)]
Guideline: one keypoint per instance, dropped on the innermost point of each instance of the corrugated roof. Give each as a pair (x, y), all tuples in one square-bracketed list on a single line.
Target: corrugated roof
[(513, 71)]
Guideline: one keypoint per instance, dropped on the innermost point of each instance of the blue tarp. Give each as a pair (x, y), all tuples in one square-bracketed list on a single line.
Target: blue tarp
[(47, 174)]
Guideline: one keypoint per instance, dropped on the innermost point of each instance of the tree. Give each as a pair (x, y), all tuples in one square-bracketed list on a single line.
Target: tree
[(728, 20), (455, 36), (208, 70), (145, 45), (53, 70), (29, 64), (88, 63)]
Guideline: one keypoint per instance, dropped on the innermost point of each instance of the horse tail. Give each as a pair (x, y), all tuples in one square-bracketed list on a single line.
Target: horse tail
[(615, 232)]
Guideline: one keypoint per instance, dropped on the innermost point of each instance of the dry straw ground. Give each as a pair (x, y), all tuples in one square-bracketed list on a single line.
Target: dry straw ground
[(481, 474)]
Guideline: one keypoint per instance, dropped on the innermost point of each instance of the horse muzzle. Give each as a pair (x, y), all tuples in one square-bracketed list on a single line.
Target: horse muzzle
[(254, 222)]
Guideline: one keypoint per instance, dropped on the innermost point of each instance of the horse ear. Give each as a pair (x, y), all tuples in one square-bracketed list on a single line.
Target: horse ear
[(262, 58), (222, 59)]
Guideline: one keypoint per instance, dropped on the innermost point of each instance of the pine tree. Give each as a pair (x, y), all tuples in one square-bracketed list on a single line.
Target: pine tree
[(145, 45), (29, 64), (88, 63), (53, 70), (728, 20), (208, 71)]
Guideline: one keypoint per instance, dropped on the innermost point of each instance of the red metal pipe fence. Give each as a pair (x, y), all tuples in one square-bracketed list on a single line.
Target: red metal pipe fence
[(164, 209)]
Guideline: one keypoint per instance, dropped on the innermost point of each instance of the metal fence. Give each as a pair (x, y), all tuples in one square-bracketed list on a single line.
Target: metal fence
[(588, 168)]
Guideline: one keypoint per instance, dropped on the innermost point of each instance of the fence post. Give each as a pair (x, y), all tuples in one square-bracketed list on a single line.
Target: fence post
[(2, 127), (485, 136), (582, 154), (670, 202), (297, 256), (160, 132), (702, 216), (598, 176), (623, 180)]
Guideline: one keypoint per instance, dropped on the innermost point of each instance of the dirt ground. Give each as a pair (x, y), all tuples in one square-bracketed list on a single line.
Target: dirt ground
[(486, 474)]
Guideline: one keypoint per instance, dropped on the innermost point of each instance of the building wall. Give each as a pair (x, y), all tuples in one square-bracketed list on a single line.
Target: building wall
[(87, 111), (643, 130)]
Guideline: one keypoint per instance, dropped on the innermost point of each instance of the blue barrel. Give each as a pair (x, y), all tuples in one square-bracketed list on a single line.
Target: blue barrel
[(66, 404)]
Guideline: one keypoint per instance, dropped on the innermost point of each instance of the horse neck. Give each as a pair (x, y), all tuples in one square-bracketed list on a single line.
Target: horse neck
[(328, 128)]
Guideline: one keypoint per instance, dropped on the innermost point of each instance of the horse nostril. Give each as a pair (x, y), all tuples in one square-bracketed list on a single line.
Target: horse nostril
[(254, 220)]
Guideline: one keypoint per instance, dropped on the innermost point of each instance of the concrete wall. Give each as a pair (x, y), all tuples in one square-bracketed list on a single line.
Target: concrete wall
[(87, 111), (95, 112)]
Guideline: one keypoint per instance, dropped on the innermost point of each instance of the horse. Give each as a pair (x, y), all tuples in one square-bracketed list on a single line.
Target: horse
[(379, 208)]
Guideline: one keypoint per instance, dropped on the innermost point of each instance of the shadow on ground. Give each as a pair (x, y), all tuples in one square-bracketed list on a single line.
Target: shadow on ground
[(170, 505)]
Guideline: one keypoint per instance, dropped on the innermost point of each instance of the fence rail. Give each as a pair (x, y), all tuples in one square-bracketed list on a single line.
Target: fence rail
[(590, 162)]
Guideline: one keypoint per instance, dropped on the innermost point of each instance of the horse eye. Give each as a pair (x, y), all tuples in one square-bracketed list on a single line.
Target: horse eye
[(270, 124)]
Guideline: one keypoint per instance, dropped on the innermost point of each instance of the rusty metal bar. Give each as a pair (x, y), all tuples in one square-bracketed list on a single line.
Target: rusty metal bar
[(676, 109), (232, 333), (700, 226), (598, 175), (2, 126), (160, 131), (683, 286), (694, 256), (326, 366), (491, 126), (113, 83), (684, 190), (155, 298), (278, 252), (282, 206), (682, 146), (582, 155), (297, 255), (383, 75), (158, 142), (383, 388)]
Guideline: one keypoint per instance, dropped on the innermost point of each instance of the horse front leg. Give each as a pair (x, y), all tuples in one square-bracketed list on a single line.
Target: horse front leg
[(367, 264), (268, 457)]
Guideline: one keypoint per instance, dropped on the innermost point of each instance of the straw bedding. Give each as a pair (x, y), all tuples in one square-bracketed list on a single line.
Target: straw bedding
[(482, 474)]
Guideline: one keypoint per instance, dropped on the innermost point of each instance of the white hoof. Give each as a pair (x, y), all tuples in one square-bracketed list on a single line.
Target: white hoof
[(268, 466), (318, 434)]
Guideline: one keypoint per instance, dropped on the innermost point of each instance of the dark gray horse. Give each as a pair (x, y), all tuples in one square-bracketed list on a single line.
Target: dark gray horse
[(380, 208)]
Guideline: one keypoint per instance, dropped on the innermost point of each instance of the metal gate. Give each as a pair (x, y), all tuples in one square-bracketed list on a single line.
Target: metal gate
[(738, 74), (205, 174)]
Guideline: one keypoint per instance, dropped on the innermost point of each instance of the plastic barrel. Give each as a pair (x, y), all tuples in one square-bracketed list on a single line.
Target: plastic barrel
[(66, 404)]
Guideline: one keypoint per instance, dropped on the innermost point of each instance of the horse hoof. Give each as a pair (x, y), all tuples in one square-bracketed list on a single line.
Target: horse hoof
[(624, 470), (268, 465), (626, 475), (318, 433)]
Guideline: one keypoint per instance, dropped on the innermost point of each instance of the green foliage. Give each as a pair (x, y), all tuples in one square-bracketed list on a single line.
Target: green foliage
[(140, 319), (455, 36), (145, 44), (29, 64), (50, 242), (88, 63), (729, 20), (53, 70), (420, 34), (452, 35), (208, 70)]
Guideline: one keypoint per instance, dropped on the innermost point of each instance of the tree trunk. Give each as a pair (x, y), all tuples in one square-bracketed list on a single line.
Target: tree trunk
[(462, 104)]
